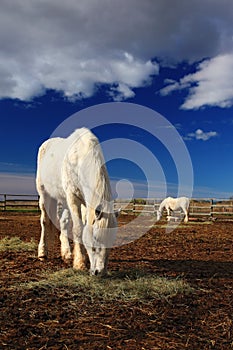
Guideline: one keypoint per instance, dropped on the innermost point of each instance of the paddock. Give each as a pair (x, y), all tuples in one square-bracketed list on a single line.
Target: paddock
[(39, 312)]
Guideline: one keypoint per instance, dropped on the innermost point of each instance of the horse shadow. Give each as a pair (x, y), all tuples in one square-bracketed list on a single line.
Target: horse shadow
[(190, 269)]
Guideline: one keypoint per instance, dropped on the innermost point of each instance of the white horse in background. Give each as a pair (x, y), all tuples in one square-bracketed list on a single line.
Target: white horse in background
[(171, 204), (75, 196)]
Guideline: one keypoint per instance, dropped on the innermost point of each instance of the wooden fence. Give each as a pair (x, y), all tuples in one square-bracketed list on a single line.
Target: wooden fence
[(18, 202), (199, 207)]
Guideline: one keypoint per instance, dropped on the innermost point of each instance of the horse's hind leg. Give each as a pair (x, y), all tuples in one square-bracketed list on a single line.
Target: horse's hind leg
[(65, 224), (48, 230), (45, 224)]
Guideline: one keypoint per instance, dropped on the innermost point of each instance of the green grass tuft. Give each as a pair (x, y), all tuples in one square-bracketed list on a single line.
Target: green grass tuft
[(15, 243)]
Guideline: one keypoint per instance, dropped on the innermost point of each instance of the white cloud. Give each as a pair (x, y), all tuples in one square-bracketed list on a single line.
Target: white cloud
[(211, 85), (71, 46), (77, 77), (121, 92), (173, 86), (201, 135)]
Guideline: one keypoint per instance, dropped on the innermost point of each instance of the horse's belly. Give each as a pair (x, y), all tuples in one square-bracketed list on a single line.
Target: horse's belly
[(174, 207)]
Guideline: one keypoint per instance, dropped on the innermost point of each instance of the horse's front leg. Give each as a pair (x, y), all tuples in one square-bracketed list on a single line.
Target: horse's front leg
[(80, 258), (186, 219)]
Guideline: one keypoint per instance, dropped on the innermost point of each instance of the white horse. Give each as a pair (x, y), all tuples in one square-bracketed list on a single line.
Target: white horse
[(171, 204), (75, 196)]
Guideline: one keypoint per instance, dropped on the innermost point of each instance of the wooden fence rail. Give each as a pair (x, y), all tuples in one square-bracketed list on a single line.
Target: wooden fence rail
[(199, 207), (18, 202)]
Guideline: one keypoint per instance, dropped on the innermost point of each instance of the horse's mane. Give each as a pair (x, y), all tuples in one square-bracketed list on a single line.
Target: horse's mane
[(97, 177), (102, 186)]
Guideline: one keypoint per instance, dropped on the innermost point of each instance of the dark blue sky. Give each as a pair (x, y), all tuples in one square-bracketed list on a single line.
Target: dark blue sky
[(24, 126), (177, 61)]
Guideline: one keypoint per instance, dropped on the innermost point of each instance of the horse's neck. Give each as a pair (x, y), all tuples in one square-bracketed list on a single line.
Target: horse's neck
[(97, 189), (99, 195), (162, 206)]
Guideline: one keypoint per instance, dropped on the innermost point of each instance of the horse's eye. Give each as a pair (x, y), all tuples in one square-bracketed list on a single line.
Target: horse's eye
[(98, 212)]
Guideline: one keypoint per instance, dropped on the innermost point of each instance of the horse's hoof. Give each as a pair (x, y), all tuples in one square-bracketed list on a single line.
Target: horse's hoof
[(80, 267), (67, 261), (67, 258), (42, 258)]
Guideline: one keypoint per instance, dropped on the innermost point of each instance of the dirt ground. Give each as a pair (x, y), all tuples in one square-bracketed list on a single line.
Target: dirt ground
[(200, 253)]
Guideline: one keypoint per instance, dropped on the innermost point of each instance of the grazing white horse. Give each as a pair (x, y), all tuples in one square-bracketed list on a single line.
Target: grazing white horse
[(171, 204), (75, 195)]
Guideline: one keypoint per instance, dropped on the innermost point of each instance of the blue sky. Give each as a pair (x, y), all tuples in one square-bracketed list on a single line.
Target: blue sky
[(58, 58)]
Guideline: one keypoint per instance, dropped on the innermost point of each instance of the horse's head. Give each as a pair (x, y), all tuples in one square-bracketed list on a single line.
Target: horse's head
[(99, 235)]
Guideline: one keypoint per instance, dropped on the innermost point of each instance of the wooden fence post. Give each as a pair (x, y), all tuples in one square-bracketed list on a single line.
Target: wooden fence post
[(211, 207), (4, 202)]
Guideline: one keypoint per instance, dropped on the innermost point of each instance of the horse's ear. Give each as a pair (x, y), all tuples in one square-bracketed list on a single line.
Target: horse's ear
[(98, 212)]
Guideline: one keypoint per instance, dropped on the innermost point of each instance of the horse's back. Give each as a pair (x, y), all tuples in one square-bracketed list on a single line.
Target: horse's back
[(81, 143), (56, 156), (176, 203)]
